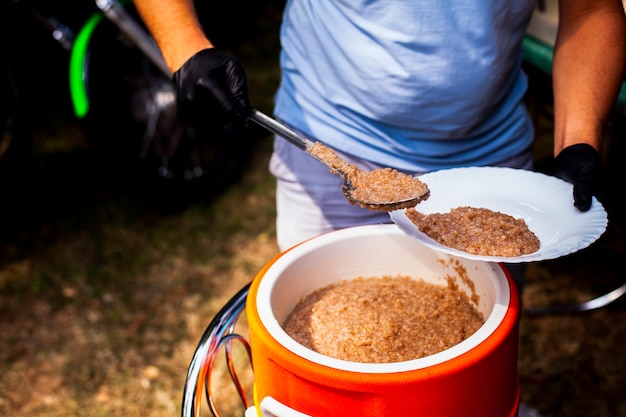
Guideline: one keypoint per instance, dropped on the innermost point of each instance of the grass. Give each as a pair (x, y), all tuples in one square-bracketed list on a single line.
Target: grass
[(103, 299), (102, 319)]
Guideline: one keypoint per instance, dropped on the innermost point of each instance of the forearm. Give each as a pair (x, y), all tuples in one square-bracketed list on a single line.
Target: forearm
[(588, 69), (175, 28)]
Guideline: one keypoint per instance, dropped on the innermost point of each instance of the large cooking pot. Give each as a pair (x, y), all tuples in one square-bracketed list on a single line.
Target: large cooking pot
[(477, 377)]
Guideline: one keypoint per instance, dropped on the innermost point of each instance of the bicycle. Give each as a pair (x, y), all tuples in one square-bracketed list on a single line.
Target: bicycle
[(122, 93)]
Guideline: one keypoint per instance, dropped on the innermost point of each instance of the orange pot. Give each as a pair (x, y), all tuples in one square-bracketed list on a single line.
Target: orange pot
[(477, 377)]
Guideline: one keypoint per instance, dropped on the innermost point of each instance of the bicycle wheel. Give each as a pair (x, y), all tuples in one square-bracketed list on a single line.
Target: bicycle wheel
[(15, 136), (15, 154), (132, 122)]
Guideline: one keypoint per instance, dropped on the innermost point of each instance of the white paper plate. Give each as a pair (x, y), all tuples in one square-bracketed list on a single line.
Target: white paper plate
[(544, 202)]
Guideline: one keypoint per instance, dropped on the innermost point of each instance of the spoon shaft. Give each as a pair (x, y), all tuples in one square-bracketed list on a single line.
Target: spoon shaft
[(281, 130)]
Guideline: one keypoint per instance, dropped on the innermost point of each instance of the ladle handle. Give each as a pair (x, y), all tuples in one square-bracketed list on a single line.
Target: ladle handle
[(280, 129)]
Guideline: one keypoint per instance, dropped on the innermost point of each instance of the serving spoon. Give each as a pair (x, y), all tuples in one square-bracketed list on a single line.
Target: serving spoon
[(383, 189)]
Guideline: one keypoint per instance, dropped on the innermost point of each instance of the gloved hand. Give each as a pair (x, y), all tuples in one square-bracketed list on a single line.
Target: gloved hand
[(212, 90), (579, 165)]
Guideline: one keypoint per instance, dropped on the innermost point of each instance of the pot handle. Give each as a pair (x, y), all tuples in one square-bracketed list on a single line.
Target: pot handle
[(271, 407)]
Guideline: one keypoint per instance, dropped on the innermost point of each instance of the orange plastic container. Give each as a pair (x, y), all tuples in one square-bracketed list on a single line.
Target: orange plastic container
[(477, 377)]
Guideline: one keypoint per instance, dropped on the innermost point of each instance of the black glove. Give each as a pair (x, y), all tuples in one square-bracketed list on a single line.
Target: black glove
[(212, 90), (579, 165)]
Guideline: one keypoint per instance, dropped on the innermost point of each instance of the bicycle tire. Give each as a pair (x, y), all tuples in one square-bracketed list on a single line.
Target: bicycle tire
[(132, 124), (16, 147), (15, 135)]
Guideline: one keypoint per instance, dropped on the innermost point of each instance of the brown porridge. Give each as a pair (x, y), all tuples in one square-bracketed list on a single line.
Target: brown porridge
[(383, 185), (478, 231), (383, 319)]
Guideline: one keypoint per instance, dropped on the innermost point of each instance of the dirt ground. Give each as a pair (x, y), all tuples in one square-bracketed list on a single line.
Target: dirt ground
[(103, 299), (104, 296)]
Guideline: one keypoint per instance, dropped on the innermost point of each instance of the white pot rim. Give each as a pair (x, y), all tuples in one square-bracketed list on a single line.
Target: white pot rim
[(268, 285)]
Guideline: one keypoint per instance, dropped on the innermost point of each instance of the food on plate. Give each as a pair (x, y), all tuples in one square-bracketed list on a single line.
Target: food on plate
[(478, 231), (383, 319)]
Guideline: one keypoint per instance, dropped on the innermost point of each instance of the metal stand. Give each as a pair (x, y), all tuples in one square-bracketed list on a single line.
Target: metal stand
[(220, 332), (596, 303)]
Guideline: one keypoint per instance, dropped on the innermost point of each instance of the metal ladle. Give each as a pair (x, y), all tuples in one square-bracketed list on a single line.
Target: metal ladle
[(338, 166)]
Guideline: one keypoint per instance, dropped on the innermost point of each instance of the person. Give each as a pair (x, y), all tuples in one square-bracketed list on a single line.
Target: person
[(415, 85), (412, 85)]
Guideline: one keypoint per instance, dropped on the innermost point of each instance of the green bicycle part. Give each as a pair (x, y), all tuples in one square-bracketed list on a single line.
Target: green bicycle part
[(78, 87)]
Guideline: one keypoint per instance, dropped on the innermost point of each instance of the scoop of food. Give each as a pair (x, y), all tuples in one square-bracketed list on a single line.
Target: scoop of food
[(383, 189)]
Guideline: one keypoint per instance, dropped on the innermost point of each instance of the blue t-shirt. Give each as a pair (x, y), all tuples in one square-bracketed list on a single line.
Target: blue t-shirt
[(417, 85)]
